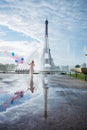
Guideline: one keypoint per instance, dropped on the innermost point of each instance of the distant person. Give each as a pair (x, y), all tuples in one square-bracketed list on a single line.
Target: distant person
[(31, 70)]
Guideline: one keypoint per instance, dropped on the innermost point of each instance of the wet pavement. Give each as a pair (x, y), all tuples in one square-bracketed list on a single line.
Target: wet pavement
[(58, 104)]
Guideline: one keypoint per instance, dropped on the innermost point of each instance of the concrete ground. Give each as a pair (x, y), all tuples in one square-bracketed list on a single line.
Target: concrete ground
[(62, 106)]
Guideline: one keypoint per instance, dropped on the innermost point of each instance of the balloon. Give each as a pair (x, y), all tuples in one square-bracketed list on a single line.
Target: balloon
[(22, 62), (22, 58), (12, 101), (12, 53), (16, 60)]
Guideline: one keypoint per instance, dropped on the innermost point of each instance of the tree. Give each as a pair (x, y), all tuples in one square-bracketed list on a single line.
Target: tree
[(77, 66)]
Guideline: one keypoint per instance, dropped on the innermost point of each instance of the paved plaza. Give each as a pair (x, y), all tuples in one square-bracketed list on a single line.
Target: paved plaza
[(61, 106)]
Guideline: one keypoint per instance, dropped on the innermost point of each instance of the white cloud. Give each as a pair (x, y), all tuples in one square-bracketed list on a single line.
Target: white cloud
[(65, 19)]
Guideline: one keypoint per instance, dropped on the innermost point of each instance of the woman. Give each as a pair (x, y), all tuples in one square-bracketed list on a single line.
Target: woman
[(31, 70)]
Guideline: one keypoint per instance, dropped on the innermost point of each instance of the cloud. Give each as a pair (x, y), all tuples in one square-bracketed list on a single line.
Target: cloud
[(2, 33), (66, 20), (21, 48)]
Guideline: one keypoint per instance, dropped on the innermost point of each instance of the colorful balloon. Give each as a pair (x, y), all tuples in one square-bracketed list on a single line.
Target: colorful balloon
[(12, 53), (17, 59), (22, 58), (22, 61)]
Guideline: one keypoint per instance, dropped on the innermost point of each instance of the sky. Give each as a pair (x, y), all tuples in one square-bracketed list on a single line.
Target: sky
[(22, 29)]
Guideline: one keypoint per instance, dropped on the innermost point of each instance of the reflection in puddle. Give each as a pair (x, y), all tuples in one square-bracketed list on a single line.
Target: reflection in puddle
[(45, 88), (31, 88), (45, 101), (8, 100), (23, 90)]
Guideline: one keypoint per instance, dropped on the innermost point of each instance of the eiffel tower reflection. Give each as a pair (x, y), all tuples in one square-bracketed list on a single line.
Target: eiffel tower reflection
[(45, 88)]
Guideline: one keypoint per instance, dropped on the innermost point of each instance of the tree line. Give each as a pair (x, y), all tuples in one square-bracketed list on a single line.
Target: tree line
[(7, 67)]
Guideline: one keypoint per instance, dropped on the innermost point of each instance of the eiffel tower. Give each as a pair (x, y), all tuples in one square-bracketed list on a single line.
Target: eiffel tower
[(47, 63), (47, 60)]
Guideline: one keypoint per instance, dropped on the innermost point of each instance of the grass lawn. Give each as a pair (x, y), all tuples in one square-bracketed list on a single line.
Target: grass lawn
[(79, 76)]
